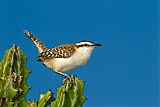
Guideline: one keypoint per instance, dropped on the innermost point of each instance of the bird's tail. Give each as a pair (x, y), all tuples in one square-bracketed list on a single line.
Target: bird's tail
[(41, 47)]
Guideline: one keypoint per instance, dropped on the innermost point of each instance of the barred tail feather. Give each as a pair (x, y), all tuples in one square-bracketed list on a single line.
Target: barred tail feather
[(41, 47)]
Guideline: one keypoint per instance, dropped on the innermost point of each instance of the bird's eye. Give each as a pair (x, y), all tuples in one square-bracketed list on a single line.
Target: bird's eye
[(85, 44)]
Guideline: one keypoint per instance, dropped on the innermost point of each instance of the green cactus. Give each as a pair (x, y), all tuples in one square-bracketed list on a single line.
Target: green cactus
[(70, 96), (13, 76), (45, 99), (14, 88)]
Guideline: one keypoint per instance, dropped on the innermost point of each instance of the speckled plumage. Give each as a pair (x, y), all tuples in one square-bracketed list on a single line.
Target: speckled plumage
[(63, 51)]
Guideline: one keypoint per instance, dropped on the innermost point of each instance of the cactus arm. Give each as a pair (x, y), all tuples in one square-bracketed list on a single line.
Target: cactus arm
[(13, 75), (45, 99), (68, 96)]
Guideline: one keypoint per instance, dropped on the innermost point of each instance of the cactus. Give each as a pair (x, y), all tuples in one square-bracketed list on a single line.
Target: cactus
[(14, 88), (13, 76), (70, 96), (45, 99)]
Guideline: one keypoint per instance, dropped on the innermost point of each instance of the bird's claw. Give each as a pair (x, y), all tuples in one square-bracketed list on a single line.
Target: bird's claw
[(71, 80)]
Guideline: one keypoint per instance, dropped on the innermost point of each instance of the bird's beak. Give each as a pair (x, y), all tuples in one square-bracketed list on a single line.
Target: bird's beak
[(97, 44)]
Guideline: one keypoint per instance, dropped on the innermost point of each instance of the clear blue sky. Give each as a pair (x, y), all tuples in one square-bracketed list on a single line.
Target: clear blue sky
[(122, 73)]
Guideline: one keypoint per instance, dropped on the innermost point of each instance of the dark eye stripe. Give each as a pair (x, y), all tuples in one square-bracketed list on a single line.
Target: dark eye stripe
[(83, 45)]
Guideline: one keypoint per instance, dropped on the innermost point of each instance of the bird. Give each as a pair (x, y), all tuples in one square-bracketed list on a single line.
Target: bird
[(65, 57)]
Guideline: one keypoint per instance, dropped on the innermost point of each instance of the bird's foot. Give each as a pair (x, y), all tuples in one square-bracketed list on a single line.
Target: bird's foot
[(71, 80)]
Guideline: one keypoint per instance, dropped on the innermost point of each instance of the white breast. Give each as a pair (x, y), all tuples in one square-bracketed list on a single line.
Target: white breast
[(79, 58)]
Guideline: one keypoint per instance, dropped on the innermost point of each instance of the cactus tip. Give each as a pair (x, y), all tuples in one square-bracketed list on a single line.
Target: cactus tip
[(14, 48), (14, 45)]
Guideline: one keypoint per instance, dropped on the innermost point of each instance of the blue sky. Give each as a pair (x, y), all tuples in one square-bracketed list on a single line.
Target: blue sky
[(122, 73)]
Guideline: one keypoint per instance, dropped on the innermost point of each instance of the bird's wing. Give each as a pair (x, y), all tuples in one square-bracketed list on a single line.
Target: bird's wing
[(63, 51)]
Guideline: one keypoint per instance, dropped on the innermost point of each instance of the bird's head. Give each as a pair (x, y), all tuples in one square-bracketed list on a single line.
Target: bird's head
[(86, 47)]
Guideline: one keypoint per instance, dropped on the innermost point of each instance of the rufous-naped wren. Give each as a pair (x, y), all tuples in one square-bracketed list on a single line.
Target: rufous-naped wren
[(64, 57)]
